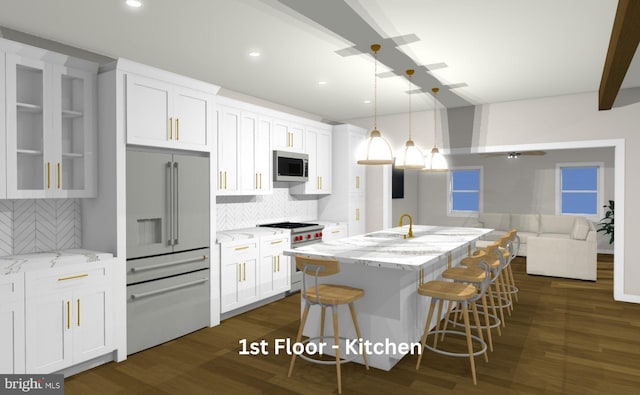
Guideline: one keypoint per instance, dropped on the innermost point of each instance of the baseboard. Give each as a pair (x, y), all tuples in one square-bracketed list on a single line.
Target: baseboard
[(90, 364), (251, 306), (605, 251)]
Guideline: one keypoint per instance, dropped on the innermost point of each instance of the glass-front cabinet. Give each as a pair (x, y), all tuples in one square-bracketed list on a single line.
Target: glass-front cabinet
[(50, 129)]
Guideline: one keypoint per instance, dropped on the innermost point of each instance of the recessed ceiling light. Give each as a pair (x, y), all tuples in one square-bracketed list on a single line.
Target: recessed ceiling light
[(134, 3), (367, 101), (254, 54), (322, 82)]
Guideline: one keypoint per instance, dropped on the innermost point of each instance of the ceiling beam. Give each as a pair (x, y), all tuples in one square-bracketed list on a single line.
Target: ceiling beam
[(625, 37)]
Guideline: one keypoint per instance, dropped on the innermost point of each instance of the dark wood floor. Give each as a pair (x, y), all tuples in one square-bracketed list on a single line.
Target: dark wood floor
[(565, 337)]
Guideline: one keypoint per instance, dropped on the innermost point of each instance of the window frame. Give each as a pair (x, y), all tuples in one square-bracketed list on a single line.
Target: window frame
[(464, 213), (599, 192)]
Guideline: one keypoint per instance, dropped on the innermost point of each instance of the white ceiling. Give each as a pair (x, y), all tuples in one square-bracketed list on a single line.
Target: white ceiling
[(502, 50)]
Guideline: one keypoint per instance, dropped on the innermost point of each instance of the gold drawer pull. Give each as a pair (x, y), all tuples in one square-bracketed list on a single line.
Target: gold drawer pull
[(73, 277), (48, 175), (170, 128), (335, 231), (78, 312), (68, 315), (276, 242), (241, 248), (59, 175), (177, 128)]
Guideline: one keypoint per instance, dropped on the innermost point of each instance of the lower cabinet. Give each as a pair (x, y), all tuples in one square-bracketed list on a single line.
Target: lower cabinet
[(238, 277), (12, 324), (253, 269), (275, 267), (68, 316), (334, 232)]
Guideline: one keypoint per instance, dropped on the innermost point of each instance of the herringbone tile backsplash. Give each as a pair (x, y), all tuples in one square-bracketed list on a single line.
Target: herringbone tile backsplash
[(233, 212), (38, 225)]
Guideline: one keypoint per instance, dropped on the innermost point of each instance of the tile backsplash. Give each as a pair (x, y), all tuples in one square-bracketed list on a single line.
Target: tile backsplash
[(233, 212), (38, 225)]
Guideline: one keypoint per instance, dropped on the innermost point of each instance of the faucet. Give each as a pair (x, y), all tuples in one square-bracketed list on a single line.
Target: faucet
[(410, 234)]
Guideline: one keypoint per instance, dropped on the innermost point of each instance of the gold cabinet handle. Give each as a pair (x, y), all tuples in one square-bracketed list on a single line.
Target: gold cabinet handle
[(278, 263), (256, 180), (260, 180), (335, 231), (276, 242), (220, 181), (48, 175), (241, 248), (177, 128), (59, 175), (320, 182), (225, 180), (170, 128), (273, 261), (73, 277), (239, 272), (68, 315), (78, 312), (357, 214), (357, 182), (244, 271)]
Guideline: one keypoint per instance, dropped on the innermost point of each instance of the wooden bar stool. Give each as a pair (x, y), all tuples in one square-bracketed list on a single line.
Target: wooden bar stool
[(465, 295), (512, 245), (326, 295), (475, 271), (495, 260)]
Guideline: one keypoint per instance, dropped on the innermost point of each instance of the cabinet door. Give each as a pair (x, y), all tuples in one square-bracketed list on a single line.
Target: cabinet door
[(190, 111), (356, 172), (356, 215), (3, 141), (323, 161), (149, 112), (334, 232), (288, 136), (313, 184), (228, 137), (247, 153), (191, 184), (74, 127), (28, 111), (230, 278), (263, 156), (49, 328), (12, 358), (91, 322), (248, 285)]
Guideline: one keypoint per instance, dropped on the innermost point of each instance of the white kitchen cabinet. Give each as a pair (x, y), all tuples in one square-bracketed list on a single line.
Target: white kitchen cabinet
[(318, 147), (68, 316), (164, 114), (335, 231), (50, 127), (254, 159), (238, 277), (12, 327), (228, 141), (288, 136), (244, 150), (275, 267), (347, 200)]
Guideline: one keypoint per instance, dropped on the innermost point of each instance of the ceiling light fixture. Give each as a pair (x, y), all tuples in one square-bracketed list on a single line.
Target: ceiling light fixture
[(322, 82), (435, 160), (254, 54), (513, 155), (411, 157), (378, 151), (134, 3), (367, 101)]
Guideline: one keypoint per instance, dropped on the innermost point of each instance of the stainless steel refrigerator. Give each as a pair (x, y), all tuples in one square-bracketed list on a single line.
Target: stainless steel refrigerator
[(167, 246)]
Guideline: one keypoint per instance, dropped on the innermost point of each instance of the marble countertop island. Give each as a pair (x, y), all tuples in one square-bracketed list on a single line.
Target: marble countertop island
[(46, 260), (388, 248)]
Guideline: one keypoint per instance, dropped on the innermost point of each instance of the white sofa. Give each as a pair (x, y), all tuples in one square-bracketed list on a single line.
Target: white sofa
[(555, 245)]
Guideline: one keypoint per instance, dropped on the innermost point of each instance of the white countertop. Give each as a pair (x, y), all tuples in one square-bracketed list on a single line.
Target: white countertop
[(45, 260), (247, 233), (388, 248)]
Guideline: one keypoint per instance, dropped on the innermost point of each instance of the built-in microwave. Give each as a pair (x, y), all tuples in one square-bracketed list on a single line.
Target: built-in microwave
[(290, 166)]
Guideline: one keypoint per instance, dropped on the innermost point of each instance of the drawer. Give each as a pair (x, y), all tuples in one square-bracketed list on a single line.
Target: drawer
[(162, 310), (57, 279), (144, 269)]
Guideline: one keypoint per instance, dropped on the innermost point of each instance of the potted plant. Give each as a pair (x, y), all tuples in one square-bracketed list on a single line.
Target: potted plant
[(606, 223)]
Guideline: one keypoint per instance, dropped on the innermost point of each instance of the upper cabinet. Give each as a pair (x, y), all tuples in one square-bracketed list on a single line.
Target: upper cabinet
[(50, 125), (244, 150), (318, 147), (164, 114), (288, 136)]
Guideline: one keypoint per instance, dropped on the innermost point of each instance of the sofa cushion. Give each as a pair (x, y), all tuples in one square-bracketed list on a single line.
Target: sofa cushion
[(497, 221), (556, 235), (580, 229), (524, 236), (525, 222), (556, 224)]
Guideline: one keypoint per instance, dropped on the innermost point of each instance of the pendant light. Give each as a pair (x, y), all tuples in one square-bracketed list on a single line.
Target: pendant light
[(378, 151), (411, 157), (435, 160)]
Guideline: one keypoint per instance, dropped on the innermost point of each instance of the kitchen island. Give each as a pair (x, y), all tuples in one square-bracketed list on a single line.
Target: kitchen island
[(390, 269)]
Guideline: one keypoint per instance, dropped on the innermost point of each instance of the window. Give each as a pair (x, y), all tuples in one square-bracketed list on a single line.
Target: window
[(580, 189), (464, 196)]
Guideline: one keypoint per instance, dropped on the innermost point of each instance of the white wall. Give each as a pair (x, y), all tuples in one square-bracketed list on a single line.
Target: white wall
[(559, 121)]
